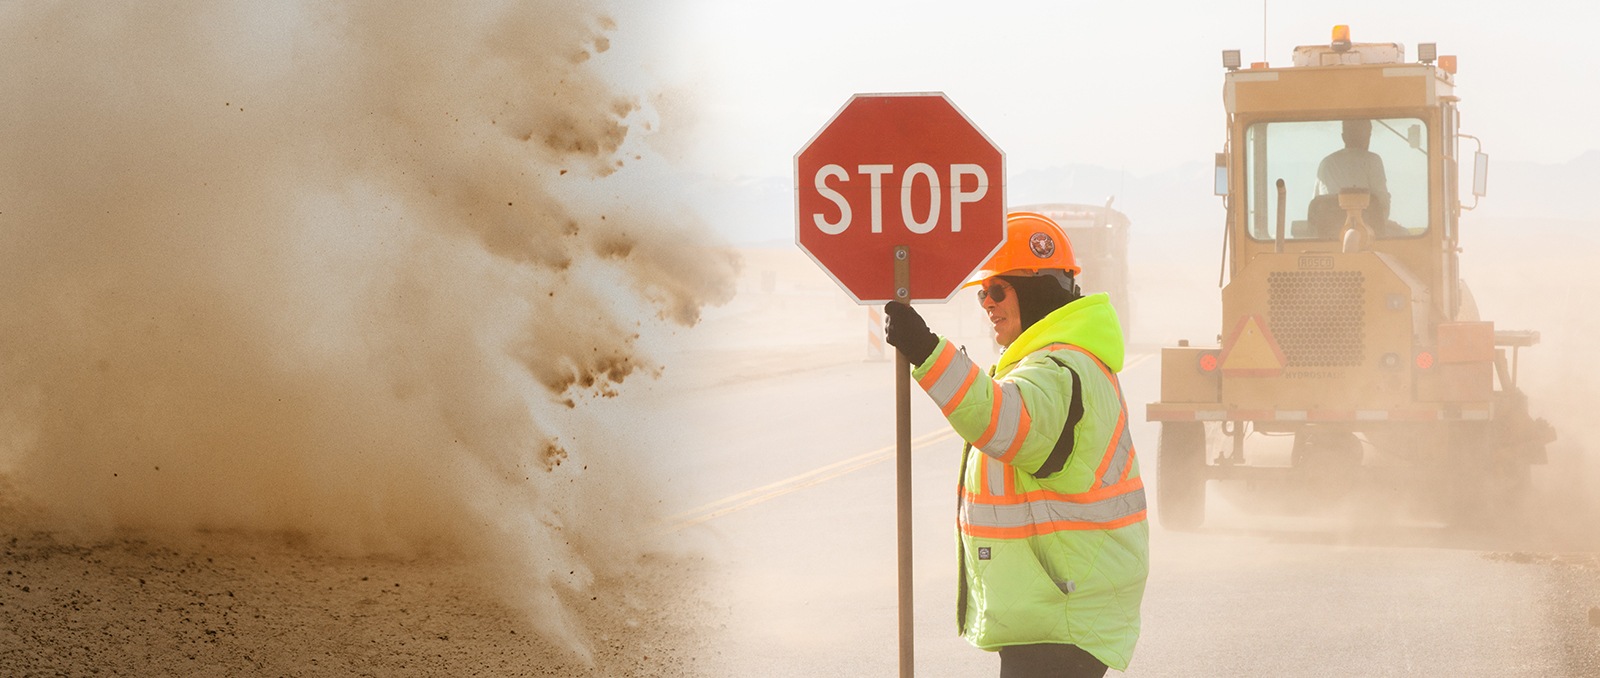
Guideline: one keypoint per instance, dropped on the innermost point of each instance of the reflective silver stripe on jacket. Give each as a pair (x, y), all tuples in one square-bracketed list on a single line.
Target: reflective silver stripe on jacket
[(1042, 511), (1119, 459), (996, 472), (1010, 419), (955, 374)]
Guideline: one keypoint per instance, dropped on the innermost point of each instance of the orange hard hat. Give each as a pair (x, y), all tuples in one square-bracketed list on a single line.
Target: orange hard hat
[(1033, 243)]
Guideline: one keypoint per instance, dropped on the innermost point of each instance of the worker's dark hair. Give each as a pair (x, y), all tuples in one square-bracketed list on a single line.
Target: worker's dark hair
[(1038, 296)]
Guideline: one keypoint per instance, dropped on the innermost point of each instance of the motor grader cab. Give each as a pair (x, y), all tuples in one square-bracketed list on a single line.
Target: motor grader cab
[(1099, 236), (1344, 320)]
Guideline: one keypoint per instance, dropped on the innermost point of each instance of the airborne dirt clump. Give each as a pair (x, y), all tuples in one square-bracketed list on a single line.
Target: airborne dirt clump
[(348, 274)]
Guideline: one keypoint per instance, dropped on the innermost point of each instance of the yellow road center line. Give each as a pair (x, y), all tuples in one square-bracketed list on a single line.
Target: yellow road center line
[(726, 505), (915, 442), (774, 490)]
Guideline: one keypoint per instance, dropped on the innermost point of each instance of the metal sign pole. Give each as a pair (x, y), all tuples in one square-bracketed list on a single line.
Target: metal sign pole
[(902, 387)]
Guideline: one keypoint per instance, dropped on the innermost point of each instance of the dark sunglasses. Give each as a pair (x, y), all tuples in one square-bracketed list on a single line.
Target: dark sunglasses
[(996, 291)]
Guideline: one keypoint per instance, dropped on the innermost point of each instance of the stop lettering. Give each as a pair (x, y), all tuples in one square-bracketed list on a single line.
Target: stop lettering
[(896, 170), (908, 183)]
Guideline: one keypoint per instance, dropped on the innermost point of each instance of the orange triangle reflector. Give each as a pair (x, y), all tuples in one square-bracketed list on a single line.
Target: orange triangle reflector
[(1251, 351)]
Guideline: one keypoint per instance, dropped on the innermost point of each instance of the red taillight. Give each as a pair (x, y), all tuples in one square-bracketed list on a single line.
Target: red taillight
[(1208, 362), (1424, 360)]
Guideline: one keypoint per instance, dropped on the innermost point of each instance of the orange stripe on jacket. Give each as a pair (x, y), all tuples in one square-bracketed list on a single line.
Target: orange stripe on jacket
[(1089, 497), (1047, 528), (972, 375), (1098, 363), (994, 416), (932, 377), (1122, 416), (1024, 423), (1111, 447)]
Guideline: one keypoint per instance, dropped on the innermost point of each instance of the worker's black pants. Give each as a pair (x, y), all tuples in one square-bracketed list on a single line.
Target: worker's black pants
[(1048, 660)]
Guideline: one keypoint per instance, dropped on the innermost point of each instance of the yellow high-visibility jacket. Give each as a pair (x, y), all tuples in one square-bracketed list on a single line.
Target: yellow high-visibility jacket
[(1055, 547)]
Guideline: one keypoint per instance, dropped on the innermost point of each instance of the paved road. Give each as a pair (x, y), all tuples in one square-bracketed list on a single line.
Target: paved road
[(791, 498)]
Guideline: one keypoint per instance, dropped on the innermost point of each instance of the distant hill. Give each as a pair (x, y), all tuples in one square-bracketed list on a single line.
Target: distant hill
[(1174, 199), (1525, 190)]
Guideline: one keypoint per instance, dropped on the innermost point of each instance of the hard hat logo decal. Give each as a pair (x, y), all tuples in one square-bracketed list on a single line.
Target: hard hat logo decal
[(1042, 245), (1034, 243)]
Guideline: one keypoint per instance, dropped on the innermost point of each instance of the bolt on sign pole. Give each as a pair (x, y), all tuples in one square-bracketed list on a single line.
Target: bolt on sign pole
[(902, 466), (892, 175)]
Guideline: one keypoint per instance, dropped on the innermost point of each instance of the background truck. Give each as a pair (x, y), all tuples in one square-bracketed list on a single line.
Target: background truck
[(1099, 236), (1345, 323)]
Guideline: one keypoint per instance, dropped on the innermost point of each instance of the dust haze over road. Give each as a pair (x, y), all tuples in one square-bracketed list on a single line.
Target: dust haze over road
[(353, 272), (803, 541), (311, 313)]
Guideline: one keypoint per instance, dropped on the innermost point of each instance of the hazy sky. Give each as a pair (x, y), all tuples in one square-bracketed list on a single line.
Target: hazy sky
[(1117, 84)]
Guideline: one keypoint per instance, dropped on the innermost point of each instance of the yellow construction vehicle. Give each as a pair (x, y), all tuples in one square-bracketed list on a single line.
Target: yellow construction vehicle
[(1345, 323)]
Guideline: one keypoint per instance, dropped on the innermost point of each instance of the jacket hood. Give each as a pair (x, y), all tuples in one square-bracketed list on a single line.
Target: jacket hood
[(1090, 323)]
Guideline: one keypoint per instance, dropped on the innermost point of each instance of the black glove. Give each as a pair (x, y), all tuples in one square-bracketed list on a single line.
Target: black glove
[(904, 329)]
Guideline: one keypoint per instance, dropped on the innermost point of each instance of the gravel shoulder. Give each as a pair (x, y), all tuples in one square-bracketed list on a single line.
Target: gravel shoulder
[(214, 604)]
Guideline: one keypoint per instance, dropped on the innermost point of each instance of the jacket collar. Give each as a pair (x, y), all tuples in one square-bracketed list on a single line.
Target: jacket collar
[(1090, 323)]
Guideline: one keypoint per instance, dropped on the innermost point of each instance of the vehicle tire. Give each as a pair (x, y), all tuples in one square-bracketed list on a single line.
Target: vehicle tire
[(1181, 475)]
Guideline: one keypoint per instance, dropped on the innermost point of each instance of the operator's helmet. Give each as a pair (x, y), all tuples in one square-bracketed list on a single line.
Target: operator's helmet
[(1035, 245)]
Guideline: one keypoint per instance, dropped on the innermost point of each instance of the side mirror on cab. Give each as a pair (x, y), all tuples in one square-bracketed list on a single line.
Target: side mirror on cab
[(1222, 174), (1480, 174)]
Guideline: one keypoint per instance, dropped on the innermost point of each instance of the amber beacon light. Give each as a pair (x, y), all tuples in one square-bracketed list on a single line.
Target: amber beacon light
[(1341, 38)]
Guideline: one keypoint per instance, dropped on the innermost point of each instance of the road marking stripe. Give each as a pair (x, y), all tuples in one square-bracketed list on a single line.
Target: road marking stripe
[(728, 504), (706, 512)]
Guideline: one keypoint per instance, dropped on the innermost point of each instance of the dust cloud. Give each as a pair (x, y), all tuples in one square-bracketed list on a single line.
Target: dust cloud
[(1536, 274), (349, 271)]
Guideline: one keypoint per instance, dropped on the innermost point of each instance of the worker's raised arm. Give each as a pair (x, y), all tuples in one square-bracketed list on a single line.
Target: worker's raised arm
[(1016, 420)]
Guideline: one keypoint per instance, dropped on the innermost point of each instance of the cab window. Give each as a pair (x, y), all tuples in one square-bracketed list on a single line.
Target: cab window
[(1384, 158)]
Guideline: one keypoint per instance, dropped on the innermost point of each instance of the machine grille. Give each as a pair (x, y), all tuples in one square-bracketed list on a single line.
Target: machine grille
[(1317, 317)]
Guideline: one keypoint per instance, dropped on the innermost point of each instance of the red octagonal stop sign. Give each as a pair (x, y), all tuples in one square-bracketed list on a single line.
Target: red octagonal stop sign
[(900, 169)]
